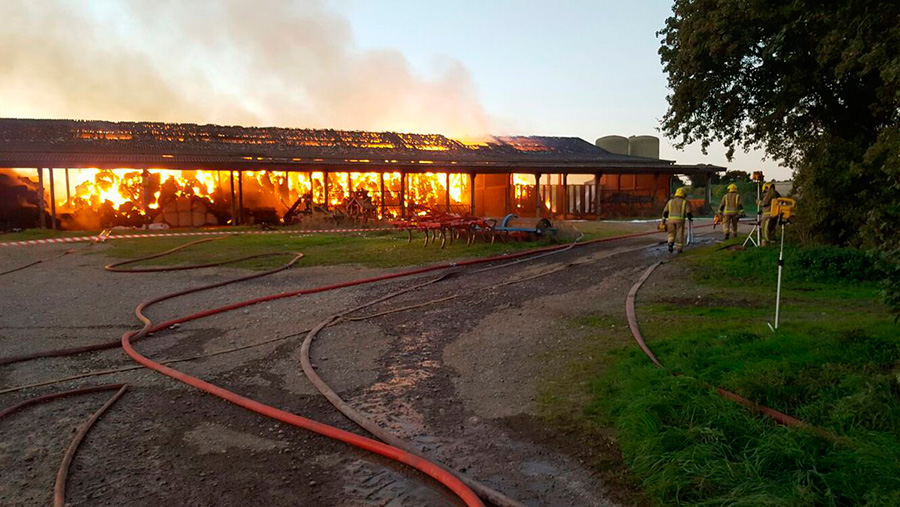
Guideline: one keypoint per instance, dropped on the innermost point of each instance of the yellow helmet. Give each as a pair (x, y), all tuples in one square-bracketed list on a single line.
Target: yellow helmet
[(680, 192), (732, 188), (766, 187)]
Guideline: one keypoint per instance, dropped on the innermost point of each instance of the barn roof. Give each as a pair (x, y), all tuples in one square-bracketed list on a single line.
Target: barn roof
[(78, 143)]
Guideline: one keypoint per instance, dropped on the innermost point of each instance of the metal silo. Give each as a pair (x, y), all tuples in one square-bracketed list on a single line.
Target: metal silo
[(613, 144), (643, 146)]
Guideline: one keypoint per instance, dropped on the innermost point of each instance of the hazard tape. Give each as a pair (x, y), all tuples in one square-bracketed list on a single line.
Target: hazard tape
[(102, 237)]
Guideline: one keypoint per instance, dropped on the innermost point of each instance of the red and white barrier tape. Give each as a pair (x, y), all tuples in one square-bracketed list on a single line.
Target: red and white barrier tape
[(102, 237)]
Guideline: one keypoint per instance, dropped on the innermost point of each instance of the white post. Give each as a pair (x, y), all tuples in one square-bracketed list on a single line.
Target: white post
[(780, 268)]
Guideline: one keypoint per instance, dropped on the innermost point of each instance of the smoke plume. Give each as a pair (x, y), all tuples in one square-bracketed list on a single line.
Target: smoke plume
[(260, 62)]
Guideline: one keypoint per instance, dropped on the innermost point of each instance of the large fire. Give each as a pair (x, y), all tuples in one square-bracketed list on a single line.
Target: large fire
[(98, 197)]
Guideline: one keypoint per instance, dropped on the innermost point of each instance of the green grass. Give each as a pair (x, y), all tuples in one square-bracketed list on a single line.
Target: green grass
[(375, 249), (835, 363), (372, 249)]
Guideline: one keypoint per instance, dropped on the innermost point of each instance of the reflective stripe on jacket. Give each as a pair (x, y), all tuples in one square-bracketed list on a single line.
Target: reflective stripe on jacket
[(731, 203), (767, 199), (677, 209)]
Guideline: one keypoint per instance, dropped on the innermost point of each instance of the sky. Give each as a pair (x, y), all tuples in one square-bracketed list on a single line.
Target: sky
[(566, 68)]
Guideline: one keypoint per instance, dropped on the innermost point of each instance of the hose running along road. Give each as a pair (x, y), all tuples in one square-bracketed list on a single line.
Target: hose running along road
[(779, 417), (433, 470)]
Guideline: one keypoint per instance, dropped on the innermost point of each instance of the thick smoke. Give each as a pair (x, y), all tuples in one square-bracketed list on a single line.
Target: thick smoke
[(259, 62)]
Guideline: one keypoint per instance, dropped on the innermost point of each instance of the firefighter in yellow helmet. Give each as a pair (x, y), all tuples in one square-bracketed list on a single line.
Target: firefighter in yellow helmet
[(731, 209), (677, 210), (769, 222)]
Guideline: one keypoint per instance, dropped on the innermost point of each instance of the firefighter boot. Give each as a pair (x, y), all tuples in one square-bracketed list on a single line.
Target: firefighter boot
[(671, 247)]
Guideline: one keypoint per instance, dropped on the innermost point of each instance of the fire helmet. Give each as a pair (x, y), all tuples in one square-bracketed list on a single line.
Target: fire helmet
[(732, 188), (680, 192)]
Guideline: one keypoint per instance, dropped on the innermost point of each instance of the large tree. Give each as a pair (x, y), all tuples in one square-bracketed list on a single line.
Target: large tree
[(816, 84)]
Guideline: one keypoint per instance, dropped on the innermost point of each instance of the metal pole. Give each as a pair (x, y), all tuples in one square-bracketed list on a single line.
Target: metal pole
[(447, 190), (233, 209), (241, 197), (758, 212), (349, 185), (472, 194), (68, 190), (565, 184), (597, 193), (508, 194), (381, 183), (655, 190), (708, 196), (780, 268), (325, 184), (537, 194), (41, 197), (52, 200), (403, 193)]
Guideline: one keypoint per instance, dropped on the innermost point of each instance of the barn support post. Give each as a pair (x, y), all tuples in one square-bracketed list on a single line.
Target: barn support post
[(655, 190), (325, 186), (708, 196), (447, 190), (40, 172), (68, 189), (233, 207), (508, 194), (381, 185), (472, 194), (565, 185), (598, 194), (349, 185), (52, 199), (537, 195), (241, 197), (402, 193)]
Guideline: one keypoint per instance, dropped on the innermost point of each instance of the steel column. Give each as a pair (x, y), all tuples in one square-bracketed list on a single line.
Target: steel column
[(325, 184), (241, 197), (565, 185), (52, 199), (537, 194), (447, 190), (472, 194), (508, 192), (598, 208), (402, 193), (41, 197), (381, 183), (655, 189), (233, 203), (68, 190)]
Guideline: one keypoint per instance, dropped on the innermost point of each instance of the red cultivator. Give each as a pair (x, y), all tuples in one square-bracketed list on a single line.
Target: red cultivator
[(446, 226), (450, 227)]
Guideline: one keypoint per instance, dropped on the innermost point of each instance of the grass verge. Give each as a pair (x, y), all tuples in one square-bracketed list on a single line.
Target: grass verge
[(833, 364)]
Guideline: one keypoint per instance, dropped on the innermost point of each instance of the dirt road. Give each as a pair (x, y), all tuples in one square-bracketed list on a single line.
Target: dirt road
[(459, 378)]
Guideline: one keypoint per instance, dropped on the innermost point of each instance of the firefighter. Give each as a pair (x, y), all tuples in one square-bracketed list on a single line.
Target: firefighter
[(674, 214), (731, 209), (769, 222)]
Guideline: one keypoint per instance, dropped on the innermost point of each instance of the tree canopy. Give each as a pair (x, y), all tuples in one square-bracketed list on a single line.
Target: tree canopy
[(815, 84)]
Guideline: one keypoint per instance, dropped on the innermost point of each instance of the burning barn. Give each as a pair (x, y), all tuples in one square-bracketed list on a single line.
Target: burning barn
[(92, 174)]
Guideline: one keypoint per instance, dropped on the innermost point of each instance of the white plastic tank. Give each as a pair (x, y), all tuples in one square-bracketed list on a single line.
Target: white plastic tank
[(613, 144), (643, 146)]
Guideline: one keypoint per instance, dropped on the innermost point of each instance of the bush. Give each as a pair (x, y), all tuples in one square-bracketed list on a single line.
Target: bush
[(818, 264)]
